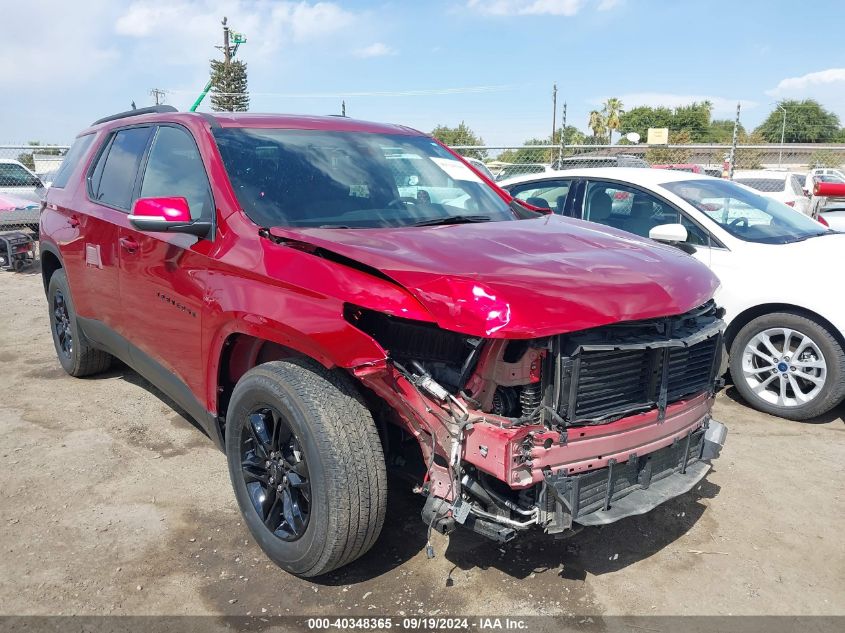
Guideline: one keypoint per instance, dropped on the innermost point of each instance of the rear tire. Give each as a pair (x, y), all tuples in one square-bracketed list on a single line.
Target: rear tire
[(306, 465), (800, 380), (76, 355)]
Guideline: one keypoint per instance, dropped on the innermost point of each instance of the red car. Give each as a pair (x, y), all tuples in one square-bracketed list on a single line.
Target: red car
[(331, 298)]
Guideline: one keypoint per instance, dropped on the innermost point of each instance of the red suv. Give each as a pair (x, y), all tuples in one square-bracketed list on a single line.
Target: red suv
[(330, 299)]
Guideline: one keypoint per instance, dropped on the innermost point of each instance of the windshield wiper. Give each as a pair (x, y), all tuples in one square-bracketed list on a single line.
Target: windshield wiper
[(807, 237), (453, 219)]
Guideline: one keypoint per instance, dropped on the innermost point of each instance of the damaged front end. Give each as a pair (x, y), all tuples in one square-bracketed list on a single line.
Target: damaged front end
[(576, 429)]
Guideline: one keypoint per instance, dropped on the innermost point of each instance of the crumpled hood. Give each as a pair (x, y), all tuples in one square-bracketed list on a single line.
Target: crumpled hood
[(526, 278)]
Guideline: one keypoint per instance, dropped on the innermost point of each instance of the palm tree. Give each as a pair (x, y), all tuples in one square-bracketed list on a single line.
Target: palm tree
[(597, 123), (612, 113)]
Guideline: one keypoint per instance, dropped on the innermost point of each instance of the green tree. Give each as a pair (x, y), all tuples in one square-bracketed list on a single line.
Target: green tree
[(598, 124), (460, 135), (229, 86), (693, 118), (571, 136), (671, 155), (612, 112), (806, 122), (528, 154), (722, 131), (641, 118)]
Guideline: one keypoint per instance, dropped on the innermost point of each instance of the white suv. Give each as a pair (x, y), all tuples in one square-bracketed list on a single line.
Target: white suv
[(783, 186)]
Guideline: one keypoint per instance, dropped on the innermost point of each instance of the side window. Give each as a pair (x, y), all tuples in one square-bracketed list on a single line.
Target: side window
[(75, 153), (626, 208), (550, 194), (175, 168), (113, 179), (695, 234)]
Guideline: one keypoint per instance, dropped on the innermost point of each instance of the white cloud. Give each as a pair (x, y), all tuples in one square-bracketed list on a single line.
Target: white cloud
[(607, 5), (526, 7), (376, 49), (721, 105), (186, 30), (69, 46), (810, 81)]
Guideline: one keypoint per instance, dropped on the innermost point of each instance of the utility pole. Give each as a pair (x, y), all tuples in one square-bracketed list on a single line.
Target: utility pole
[(554, 111), (782, 134), (343, 108), (562, 136), (158, 95), (733, 145), (227, 51)]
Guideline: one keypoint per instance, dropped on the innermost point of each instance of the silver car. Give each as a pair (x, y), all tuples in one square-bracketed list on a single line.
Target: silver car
[(17, 180)]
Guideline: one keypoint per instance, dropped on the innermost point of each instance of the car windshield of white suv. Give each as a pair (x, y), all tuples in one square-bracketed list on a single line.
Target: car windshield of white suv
[(745, 214), (329, 179)]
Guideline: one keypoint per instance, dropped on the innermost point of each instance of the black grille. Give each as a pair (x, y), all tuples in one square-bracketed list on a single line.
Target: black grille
[(587, 492), (606, 373), (689, 368), (615, 379)]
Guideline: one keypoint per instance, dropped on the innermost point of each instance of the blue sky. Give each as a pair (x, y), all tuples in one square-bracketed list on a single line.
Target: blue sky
[(490, 63)]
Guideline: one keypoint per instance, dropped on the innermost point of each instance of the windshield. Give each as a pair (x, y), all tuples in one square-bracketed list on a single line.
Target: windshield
[(314, 178), (745, 214)]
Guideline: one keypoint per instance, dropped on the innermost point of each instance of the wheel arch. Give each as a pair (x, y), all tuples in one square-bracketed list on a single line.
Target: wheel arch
[(748, 315), (240, 349), (51, 261)]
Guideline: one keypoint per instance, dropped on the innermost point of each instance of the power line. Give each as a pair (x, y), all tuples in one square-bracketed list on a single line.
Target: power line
[(158, 95)]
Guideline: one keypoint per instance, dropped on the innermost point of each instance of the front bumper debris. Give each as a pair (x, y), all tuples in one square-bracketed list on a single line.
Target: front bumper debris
[(636, 485)]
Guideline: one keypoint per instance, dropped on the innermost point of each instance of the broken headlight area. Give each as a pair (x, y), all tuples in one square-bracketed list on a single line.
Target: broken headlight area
[(493, 376), (510, 428)]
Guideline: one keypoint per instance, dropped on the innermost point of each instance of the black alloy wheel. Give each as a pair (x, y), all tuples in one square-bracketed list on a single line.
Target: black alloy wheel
[(275, 474), (61, 324)]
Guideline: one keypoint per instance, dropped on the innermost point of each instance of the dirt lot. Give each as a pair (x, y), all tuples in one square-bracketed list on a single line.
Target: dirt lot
[(113, 503)]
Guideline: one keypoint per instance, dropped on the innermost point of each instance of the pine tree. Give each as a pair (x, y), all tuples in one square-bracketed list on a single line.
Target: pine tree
[(229, 86)]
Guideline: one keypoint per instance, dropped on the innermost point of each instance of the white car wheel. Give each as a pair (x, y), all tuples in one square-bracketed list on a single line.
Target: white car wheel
[(788, 365), (784, 367)]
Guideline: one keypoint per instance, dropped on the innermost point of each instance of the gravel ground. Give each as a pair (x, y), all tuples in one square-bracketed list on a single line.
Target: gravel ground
[(112, 502)]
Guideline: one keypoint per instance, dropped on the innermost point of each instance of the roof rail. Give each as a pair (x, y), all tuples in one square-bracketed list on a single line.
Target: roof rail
[(138, 112)]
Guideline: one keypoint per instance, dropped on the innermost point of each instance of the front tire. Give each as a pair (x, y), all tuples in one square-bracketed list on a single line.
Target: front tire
[(788, 365), (76, 355), (306, 465)]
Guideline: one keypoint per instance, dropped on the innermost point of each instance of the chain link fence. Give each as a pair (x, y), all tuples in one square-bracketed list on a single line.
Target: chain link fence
[(25, 173), (27, 170), (713, 160)]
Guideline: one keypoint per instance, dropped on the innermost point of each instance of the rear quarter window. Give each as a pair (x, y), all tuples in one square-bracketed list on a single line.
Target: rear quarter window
[(77, 151)]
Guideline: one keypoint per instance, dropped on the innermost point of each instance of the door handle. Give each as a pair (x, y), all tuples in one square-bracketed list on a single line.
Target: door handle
[(73, 221), (128, 244)]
